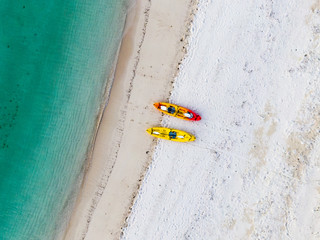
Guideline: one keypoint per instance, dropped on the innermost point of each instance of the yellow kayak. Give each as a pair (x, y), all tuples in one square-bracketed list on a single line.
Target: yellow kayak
[(171, 134)]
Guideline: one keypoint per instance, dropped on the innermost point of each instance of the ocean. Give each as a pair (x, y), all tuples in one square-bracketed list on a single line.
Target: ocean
[(55, 59)]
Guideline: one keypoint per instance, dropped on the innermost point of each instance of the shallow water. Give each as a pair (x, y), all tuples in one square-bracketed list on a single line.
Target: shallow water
[(55, 57)]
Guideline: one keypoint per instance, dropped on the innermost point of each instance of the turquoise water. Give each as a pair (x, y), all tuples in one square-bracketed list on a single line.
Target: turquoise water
[(55, 57)]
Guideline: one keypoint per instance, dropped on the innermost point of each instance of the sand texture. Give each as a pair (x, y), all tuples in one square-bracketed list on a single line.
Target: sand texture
[(252, 72), (150, 54)]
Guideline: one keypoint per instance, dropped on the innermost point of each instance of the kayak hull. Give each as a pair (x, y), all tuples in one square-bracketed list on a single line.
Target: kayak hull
[(171, 134), (177, 111)]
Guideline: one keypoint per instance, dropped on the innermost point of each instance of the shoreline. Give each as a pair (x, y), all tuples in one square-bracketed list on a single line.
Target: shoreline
[(61, 232), (114, 172)]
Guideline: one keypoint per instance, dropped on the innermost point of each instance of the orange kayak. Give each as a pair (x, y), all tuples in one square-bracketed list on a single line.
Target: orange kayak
[(177, 111)]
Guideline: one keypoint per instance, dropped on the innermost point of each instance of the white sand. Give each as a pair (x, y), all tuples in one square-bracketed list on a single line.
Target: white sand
[(148, 61), (254, 171)]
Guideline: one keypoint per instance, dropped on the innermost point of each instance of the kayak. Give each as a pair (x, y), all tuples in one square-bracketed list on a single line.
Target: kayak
[(171, 134), (177, 111)]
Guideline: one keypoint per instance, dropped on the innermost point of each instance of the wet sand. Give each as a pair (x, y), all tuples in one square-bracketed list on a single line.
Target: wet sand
[(149, 59)]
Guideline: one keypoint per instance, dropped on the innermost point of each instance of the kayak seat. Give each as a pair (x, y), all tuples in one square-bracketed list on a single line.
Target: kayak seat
[(171, 110), (172, 134)]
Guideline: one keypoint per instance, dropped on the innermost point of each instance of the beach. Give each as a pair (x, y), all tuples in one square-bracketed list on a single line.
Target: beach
[(151, 52), (252, 73)]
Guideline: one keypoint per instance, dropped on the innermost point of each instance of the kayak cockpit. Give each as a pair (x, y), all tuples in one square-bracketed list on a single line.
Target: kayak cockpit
[(172, 134), (171, 110)]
